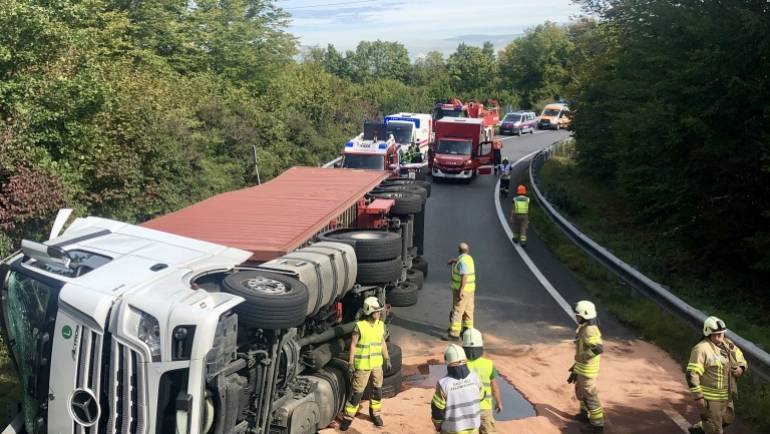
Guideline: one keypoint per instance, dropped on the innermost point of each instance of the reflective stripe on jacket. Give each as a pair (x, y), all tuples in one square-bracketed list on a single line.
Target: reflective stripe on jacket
[(587, 337), (521, 205), (470, 268), (369, 349), (505, 171), (458, 400), (709, 371), (485, 369)]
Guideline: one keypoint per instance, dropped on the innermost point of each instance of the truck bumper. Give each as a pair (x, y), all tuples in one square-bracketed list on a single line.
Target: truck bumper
[(463, 174)]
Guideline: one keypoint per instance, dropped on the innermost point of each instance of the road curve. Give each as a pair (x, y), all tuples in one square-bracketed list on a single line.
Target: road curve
[(529, 334)]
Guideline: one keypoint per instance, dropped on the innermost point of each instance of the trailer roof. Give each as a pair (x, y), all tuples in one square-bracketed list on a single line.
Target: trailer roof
[(274, 218)]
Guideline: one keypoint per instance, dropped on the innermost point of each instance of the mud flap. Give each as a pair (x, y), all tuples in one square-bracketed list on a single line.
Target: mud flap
[(485, 170)]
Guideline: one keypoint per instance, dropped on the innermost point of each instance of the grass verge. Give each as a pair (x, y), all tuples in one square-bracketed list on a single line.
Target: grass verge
[(609, 224)]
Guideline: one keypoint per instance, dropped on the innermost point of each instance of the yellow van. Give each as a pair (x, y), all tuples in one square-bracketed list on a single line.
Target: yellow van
[(554, 116)]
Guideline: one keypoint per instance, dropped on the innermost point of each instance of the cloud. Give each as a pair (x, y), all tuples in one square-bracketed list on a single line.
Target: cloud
[(345, 26)]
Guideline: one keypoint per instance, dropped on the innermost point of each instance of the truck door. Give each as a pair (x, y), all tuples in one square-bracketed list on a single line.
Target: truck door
[(484, 158)]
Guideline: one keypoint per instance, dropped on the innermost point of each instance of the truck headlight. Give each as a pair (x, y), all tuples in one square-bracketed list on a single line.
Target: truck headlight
[(148, 331)]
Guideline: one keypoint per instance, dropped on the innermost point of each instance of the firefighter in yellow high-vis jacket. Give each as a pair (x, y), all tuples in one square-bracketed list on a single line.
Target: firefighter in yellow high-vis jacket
[(715, 365), (585, 371)]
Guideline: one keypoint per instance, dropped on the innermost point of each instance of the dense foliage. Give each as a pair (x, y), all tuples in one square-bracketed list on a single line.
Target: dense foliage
[(672, 109), (133, 109)]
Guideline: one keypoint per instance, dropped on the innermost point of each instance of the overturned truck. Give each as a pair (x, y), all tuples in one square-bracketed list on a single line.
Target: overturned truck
[(232, 315)]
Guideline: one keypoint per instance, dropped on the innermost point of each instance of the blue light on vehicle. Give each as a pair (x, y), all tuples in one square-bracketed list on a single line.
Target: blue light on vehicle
[(415, 121), (383, 145), (349, 144)]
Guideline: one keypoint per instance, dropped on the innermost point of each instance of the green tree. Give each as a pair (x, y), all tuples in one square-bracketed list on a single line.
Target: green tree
[(472, 69), (535, 65)]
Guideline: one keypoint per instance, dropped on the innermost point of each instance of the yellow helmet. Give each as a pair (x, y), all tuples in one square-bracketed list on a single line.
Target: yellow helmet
[(454, 353), (371, 305), (472, 338), (713, 325), (585, 309)]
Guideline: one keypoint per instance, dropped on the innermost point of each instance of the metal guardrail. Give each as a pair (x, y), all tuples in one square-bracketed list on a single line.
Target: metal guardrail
[(759, 360), (332, 163)]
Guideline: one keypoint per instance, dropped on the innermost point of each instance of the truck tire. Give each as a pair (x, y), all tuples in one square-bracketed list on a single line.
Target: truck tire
[(414, 189), (419, 263), (396, 357), (403, 295), (272, 301), (415, 276), (369, 245), (375, 273), (391, 386), (406, 203), (400, 181)]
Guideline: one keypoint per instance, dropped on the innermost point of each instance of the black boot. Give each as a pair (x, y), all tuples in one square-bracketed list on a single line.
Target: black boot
[(592, 429), (345, 424), (377, 419)]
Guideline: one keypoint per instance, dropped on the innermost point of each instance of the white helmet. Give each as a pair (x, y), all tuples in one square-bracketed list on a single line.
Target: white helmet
[(713, 325), (585, 309), (472, 338), (371, 305), (454, 353)]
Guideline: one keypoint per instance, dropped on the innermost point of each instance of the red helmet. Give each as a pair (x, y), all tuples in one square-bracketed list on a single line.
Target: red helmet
[(521, 189)]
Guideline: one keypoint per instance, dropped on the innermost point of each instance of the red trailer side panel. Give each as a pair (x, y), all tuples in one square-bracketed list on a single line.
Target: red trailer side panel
[(276, 217)]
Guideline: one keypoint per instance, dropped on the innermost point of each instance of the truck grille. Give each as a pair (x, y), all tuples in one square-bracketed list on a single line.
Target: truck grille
[(125, 392), (114, 373)]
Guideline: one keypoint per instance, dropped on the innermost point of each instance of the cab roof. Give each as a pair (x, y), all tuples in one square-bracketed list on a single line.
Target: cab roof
[(276, 217)]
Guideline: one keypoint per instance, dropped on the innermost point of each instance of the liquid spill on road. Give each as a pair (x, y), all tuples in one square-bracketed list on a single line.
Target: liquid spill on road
[(515, 406)]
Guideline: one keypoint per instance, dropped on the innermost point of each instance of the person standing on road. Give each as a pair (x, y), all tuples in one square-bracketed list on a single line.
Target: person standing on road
[(455, 404), (463, 289), (497, 149), (715, 365), (585, 370), (505, 177), (520, 215), (368, 355), (473, 345)]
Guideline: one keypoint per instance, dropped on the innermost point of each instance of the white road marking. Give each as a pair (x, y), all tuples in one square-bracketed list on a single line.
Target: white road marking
[(677, 418), (524, 256)]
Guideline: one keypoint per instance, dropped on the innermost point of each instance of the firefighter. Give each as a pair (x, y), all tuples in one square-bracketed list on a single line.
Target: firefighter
[(520, 215), (585, 370), (368, 356), (497, 148), (715, 365), (455, 403), (473, 345), (505, 177), (463, 289)]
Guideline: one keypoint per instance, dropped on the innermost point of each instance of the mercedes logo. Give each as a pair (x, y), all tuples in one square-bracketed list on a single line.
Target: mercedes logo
[(84, 407)]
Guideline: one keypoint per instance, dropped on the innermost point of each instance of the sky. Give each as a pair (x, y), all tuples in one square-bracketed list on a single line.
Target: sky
[(420, 24)]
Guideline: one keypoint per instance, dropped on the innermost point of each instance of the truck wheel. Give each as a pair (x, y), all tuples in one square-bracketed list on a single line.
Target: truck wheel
[(399, 181), (406, 203), (370, 245), (403, 295), (419, 263), (415, 276), (414, 189), (396, 357), (272, 301), (375, 273)]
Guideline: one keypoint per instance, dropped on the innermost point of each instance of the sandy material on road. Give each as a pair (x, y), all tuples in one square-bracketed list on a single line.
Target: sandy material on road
[(638, 385)]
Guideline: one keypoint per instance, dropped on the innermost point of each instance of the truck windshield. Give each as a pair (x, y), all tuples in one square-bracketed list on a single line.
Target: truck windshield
[(29, 314), (402, 132), (364, 161), (551, 112), (455, 147)]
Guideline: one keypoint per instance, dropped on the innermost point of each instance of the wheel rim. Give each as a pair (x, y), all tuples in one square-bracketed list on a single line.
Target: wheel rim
[(366, 235), (266, 285)]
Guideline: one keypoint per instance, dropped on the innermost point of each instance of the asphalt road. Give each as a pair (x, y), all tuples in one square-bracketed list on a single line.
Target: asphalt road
[(510, 301)]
